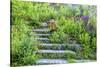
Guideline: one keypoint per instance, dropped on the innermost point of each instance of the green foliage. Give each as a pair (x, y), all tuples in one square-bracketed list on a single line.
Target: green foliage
[(59, 37), (22, 44), (88, 44), (27, 15), (67, 27), (85, 38), (65, 11)]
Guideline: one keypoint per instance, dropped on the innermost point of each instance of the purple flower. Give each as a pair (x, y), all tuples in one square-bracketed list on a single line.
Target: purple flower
[(85, 18)]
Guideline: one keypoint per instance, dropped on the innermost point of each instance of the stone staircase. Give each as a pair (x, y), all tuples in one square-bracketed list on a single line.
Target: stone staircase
[(57, 51)]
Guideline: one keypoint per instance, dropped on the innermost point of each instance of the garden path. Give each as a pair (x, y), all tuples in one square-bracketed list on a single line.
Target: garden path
[(53, 49)]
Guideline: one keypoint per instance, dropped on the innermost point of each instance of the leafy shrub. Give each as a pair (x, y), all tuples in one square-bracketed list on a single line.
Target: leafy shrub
[(88, 45), (59, 37), (23, 44)]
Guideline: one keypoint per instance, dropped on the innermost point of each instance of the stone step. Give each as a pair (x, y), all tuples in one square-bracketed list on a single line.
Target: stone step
[(44, 44), (57, 55), (51, 61), (73, 47), (80, 61), (42, 39), (49, 44), (44, 24), (41, 30), (44, 35), (56, 51)]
